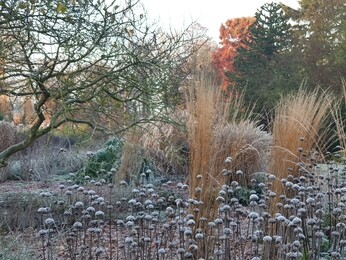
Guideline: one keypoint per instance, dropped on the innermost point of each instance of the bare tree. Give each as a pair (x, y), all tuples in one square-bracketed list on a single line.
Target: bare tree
[(89, 62)]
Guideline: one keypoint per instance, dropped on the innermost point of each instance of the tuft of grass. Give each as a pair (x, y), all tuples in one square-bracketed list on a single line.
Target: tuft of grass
[(203, 180), (338, 113), (167, 144), (299, 127), (131, 158), (247, 145)]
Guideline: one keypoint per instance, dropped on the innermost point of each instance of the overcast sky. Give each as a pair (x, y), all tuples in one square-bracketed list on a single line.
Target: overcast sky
[(210, 14)]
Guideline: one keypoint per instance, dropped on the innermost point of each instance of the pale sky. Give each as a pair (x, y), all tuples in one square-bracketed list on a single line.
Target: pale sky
[(210, 14)]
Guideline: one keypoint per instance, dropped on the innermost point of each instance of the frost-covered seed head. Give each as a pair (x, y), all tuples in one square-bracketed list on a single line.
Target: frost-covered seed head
[(272, 194), (319, 234), (228, 159), (162, 251), (128, 240), (90, 209), (227, 231), (79, 204), (99, 214), (267, 239), (199, 236), (123, 183), (181, 250), (188, 232), (42, 232), (49, 222), (253, 215), (254, 197), (296, 243), (68, 193), (218, 221), (190, 222), (239, 173), (77, 225)]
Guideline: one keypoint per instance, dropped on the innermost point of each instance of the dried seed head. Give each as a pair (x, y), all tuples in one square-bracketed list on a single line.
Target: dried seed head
[(79, 204), (267, 239), (254, 197), (49, 222), (199, 236), (228, 159), (161, 251), (99, 214), (78, 225), (42, 232)]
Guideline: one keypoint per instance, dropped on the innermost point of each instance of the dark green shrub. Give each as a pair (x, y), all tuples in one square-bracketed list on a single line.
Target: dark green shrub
[(103, 160)]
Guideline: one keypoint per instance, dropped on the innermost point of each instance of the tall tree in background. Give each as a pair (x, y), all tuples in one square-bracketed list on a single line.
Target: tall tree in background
[(264, 63), (233, 34), (97, 63), (322, 40)]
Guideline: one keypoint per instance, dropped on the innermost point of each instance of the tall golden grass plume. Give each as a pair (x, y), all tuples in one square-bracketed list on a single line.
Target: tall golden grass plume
[(201, 108), (130, 162), (299, 127), (218, 128)]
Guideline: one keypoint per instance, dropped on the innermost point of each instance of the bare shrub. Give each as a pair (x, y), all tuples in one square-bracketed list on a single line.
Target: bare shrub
[(51, 156), (47, 156)]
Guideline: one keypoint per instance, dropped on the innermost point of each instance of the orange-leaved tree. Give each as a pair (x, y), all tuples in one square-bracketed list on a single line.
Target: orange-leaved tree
[(233, 34)]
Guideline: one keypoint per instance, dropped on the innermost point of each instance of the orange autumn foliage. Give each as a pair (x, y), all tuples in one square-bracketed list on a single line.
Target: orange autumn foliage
[(233, 34)]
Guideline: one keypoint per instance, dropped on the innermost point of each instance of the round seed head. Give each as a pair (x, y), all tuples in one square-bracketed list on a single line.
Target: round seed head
[(267, 239), (49, 222), (99, 214)]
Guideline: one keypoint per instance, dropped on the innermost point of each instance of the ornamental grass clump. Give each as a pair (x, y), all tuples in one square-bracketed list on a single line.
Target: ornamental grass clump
[(130, 165), (299, 128), (220, 127), (167, 144), (337, 113)]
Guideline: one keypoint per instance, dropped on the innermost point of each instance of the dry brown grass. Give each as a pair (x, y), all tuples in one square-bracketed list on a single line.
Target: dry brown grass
[(299, 127), (247, 145), (131, 159), (167, 144), (202, 110), (337, 113), (8, 137), (217, 129), (5, 106)]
